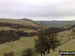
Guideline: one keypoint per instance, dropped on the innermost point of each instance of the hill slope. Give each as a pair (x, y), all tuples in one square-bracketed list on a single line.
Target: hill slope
[(21, 44), (17, 46), (18, 24), (28, 42), (19, 21), (70, 46)]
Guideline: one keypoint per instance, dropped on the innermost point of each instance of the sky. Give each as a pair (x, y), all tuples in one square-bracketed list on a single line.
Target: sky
[(38, 9)]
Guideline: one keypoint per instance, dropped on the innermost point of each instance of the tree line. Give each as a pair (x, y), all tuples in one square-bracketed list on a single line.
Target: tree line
[(12, 35), (17, 26)]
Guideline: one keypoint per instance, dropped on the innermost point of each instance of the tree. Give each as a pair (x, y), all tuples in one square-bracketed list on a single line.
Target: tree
[(46, 40), (54, 43), (51, 35), (40, 46)]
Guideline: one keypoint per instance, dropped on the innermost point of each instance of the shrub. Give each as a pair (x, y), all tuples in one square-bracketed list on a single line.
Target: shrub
[(9, 54), (28, 52)]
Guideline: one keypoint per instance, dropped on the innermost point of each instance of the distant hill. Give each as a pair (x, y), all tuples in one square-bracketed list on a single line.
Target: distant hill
[(56, 23)]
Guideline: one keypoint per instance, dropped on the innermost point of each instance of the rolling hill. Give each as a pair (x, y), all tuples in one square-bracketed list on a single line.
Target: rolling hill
[(67, 38), (28, 42)]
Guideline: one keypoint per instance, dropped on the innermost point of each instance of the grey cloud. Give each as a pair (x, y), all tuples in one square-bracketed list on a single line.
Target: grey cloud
[(32, 8)]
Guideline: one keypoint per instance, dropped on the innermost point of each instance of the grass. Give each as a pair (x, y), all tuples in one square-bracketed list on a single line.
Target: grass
[(17, 46), (69, 46), (28, 42), (25, 30)]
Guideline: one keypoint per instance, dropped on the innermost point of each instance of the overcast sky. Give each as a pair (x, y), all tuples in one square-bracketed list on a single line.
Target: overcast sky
[(38, 9)]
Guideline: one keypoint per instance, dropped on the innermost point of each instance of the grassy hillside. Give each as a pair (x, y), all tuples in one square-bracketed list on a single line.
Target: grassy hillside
[(66, 38), (28, 42), (24, 24), (19, 21), (69, 46), (21, 44), (17, 46), (68, 42)]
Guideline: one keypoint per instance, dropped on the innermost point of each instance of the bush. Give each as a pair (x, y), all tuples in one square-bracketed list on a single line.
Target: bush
[(9, 54), (28, 52)]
